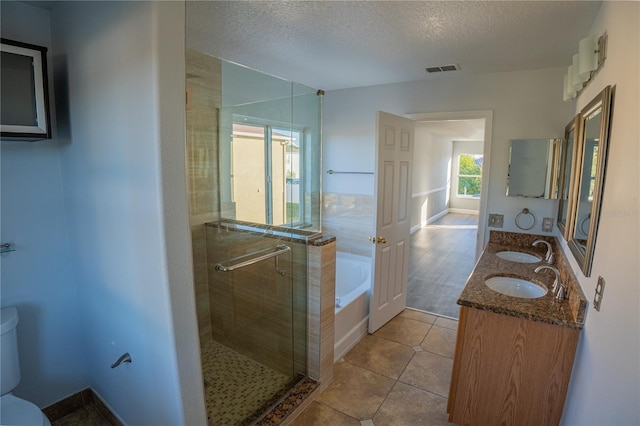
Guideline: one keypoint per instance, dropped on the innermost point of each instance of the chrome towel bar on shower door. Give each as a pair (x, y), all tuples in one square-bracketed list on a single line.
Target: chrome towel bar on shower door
[(333, 172), (270, 252)]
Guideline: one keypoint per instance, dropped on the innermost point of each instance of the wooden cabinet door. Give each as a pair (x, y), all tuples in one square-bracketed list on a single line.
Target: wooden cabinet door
[(509, 370)]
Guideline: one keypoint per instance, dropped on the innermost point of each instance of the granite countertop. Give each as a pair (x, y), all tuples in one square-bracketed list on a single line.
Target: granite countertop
[(569, 312)]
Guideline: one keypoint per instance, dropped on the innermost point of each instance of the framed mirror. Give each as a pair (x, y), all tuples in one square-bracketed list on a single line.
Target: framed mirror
[(568, 161), (588, 185), (533, 168)]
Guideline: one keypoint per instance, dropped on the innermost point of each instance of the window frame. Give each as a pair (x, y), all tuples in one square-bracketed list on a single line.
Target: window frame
[(268, 127), (459, 175)]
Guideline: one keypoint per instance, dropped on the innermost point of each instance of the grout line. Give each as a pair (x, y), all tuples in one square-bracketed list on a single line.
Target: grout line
[(396, 381), (334, 409), (405, 367), (380, 374), (446, 398), (386, 396)]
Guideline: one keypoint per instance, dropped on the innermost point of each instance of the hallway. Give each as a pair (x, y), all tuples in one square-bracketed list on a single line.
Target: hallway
[(442, 258)]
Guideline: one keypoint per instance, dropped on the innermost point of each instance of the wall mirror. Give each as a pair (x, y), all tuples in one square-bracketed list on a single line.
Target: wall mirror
[(568, 160), (533, 168), (588, 185)]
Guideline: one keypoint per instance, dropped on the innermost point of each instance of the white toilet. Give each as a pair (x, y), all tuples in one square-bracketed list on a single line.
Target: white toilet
[(14, 411)]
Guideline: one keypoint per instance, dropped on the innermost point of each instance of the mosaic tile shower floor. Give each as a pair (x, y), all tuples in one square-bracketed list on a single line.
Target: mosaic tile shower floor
[(236, 387)]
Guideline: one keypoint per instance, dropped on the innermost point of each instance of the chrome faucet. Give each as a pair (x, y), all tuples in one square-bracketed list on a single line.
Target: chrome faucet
[(559, 289), (549, 256)]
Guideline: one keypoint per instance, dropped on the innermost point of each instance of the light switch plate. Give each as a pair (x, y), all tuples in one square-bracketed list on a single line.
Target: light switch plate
[(597, 300), (547, 224), (496, 220)]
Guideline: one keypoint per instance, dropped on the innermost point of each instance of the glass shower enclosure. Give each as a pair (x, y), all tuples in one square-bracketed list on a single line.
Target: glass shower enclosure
[(254, 151)]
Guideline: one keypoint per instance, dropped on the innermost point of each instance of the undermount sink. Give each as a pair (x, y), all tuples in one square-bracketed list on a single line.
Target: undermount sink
[(516, 287), (518, 256)]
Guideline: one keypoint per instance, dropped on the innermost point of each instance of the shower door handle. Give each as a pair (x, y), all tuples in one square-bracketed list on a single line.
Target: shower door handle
[(271, 252)]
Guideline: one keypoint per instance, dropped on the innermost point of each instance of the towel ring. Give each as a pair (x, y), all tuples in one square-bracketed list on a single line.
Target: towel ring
[(528, 213)]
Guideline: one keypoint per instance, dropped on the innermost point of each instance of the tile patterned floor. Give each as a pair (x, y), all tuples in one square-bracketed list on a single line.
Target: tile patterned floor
[(236, 387), (397, 376), (442, 258)]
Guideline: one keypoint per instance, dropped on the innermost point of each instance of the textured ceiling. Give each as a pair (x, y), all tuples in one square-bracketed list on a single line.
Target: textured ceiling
[(341, 44)]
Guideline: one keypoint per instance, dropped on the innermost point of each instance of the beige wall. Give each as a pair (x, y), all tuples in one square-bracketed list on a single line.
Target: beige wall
[(249, 192), (249, 186), (203, 103)]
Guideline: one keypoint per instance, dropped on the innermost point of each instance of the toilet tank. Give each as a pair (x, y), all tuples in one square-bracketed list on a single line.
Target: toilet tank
[(9, 361)]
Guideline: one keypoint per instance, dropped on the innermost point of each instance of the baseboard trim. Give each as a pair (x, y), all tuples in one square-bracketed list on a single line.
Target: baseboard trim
[(68, 405), (438, 215), (431, 219), (350, 340), (464, 211), (75, 402)]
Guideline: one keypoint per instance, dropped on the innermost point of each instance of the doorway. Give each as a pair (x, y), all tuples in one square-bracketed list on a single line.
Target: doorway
[(441, 259), (449, 202)]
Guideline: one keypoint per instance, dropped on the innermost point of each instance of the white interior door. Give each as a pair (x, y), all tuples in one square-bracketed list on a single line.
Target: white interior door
[(394, 165)]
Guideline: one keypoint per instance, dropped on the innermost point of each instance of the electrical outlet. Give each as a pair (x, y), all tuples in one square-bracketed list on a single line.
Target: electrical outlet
[(496, 220), (597, 300), (547, 224)]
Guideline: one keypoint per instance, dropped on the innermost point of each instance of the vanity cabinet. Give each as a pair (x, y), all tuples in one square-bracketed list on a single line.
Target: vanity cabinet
[(509, 370)]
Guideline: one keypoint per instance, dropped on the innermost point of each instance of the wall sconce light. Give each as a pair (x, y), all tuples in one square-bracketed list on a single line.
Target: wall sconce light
[(569, 92), (591, 55)]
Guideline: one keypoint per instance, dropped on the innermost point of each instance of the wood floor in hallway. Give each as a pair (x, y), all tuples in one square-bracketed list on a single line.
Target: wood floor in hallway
[(442, 258)]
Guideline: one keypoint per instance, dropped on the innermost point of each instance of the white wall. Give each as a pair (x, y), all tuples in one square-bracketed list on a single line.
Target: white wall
[(431, 172), (99, 214), (524, 103), (124, 190), (463, 147), (605, 385), (38, 277), (169, 36)]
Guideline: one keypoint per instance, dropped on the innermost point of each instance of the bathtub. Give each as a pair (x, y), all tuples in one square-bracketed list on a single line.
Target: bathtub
[(353, 285)]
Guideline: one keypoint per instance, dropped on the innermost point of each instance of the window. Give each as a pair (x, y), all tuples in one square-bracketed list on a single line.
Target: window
[(266, 180), (469, 175)]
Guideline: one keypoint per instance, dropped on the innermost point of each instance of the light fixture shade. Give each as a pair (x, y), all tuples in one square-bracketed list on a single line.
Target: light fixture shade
[(568, 93), (577, 77), (574, 84), (588, 56)]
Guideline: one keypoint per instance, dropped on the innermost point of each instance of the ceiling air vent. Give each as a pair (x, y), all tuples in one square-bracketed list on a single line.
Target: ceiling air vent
[(443, 68)]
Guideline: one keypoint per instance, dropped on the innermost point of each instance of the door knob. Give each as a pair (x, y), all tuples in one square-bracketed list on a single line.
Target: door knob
[(379, 240)]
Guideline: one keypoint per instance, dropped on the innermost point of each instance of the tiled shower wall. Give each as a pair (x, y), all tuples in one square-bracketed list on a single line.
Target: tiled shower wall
[(251, 308), (204, 99), (322, 297), (350, 217)]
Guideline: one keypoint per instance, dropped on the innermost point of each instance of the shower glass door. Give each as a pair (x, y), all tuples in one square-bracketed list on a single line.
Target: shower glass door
[(250, 361), (268, 169)]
